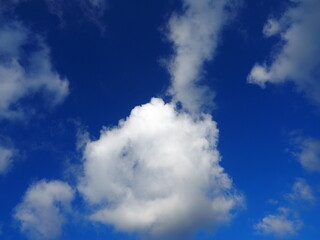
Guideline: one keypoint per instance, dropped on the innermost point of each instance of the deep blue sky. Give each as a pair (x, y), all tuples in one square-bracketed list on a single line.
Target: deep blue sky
[(114, 63)]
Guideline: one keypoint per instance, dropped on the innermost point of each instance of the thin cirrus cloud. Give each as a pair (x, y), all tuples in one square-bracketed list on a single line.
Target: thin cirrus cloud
[(297, 60), (92, 10), (21, 76), (286, 222), (158, 172), (41, 213)]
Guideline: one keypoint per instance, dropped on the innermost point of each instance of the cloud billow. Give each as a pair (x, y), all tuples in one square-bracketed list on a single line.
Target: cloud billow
[(158, 173)]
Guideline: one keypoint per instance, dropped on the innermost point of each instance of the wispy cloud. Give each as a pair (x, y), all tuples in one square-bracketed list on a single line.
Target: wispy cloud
[(41, 213), (24, 72), (91, 10), (282, 224), (308, 153), (6, 158), (195, 35), (301, 192), (297, 60), (286, 221)]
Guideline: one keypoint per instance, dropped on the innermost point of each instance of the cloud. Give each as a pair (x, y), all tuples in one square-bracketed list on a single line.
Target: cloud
[(301, 191), (25, 72), (158, 173), (40, 214), (286, 222), (6, 158), (271, 28), (297, 60), (309, 153), (92, 10), (195, 35), (279, 225)]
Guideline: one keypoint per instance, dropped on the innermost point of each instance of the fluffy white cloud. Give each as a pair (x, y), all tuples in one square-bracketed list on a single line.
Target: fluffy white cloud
[(195, 35), (158, 173), (41, 212), (309, 154), (22, 76), (298, 59), (301, 191), (279, 225), (6, 158)]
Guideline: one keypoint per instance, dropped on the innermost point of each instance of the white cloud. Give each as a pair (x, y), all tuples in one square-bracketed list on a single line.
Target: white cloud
[(22, 76), (286, 222), (309, 154), (6, 159), (298, 59), (301, 191), (195, 35), (41, 212), (279, 225), (158, 173)]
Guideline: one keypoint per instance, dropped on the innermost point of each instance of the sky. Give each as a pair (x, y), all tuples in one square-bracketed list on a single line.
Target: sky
[(171, 119)]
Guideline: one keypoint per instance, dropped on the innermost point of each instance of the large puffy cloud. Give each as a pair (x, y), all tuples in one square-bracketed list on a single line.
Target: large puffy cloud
[(158, 173), (298, 59), (25, 72), (6, 158), (280, 225), (41, 212), (195, 35)]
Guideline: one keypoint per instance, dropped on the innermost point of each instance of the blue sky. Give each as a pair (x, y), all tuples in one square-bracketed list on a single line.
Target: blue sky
[(175, 119)]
